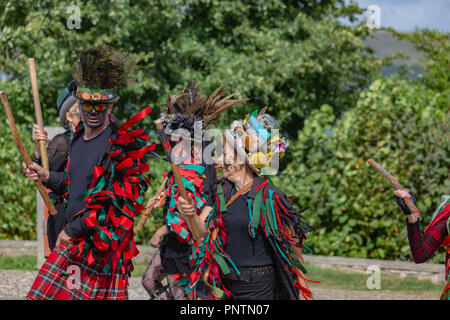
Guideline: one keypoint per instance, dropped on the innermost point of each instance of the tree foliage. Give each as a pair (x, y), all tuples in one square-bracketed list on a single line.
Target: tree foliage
[(317, 76), (17, 194), (291, 55), (398, 124)]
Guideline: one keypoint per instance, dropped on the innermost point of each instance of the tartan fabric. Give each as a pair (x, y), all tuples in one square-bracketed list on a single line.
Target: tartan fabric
[(53, 283), (423, 245)]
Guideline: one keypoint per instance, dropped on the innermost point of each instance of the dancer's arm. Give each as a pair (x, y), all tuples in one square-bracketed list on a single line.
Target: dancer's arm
[(159, 234), (422, 245)]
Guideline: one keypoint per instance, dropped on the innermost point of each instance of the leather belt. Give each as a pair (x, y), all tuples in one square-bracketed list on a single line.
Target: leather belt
[(248, 274)]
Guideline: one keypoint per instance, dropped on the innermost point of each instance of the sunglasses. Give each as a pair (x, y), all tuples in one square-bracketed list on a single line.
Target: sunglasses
[(98, 107)]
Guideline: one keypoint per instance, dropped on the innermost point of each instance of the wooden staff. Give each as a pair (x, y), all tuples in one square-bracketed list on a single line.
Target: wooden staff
[(394, 182), (38, 112), (177, 175), (26, 157), (152, 206)]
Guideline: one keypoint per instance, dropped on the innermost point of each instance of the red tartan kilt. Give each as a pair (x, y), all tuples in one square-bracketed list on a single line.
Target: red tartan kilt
[(52, 282)]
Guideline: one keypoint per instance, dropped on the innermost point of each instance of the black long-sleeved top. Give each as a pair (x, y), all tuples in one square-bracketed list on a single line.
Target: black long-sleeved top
[(244, 250), (83, 157)]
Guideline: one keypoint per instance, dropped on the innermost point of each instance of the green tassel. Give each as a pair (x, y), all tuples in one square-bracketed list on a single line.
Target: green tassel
[(256, 209), (270, 213), (222, 264), (222, 203)]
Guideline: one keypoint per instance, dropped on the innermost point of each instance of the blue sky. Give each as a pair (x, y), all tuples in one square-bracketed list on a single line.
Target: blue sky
[(406, 15)]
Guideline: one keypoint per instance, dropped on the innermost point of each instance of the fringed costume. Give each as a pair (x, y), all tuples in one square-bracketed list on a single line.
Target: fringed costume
[(173, 260), (248, 252), (105, 184)]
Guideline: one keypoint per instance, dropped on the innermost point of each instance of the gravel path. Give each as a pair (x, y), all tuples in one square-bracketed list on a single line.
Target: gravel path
[(14, 285)]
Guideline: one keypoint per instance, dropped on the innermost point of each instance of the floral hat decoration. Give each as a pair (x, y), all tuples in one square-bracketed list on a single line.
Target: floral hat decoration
[(257, 141)]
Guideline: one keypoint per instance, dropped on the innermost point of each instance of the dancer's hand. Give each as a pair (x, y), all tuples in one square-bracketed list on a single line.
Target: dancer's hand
[(35, 172), (160, 199), (403, 193), (39, 134), (400, 196), (63, 238), (185, 207), (159, 234), (155, 240)]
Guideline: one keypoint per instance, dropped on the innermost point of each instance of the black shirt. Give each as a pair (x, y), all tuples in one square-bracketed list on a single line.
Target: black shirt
[(84, 156), (245, 251)]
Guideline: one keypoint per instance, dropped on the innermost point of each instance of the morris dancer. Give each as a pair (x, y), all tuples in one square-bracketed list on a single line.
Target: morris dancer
[(104, 189), (253, 249), (58, 151), (436, 234), (173, 258)]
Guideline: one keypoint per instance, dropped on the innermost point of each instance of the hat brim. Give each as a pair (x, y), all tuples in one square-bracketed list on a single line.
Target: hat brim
[(115, 99), (96, 97)]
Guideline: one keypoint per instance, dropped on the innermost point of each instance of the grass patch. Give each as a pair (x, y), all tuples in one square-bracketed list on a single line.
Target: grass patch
[(24, 262), (343, 279), (139, 268)]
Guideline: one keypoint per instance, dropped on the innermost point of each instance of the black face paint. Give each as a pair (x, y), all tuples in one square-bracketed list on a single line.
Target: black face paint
[(93, 119)]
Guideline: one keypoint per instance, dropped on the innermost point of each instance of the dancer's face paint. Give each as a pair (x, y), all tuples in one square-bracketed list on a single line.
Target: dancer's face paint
[(94, 115)]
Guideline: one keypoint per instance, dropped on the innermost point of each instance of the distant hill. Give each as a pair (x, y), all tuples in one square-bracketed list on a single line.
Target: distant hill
[(386, 45)]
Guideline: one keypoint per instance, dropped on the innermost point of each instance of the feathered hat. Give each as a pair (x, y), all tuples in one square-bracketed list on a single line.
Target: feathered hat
[(257, 141), (187, 107), (99, 72)]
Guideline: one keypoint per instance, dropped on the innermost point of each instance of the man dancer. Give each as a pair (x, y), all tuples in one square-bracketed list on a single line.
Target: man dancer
[(104, 189)]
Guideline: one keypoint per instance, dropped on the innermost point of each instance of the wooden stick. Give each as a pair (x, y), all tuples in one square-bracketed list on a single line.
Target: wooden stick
[(38, 112), (152, 206), (394, 182), (177, 175), (23, 151)]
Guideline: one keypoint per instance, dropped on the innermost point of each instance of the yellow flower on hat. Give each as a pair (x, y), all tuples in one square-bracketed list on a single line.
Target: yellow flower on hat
[(259, 160)]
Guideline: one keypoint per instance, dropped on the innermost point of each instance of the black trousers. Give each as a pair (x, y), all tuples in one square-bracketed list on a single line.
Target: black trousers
[(253, 283)]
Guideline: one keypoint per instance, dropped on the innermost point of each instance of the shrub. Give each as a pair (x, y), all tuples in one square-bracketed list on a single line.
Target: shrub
[(397, 124)]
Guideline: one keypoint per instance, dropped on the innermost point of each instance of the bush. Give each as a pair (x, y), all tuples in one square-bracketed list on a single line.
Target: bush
[(397, 124), (17, 193)]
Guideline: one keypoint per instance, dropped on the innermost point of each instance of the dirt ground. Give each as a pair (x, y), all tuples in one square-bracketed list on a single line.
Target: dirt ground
[(14, 285)]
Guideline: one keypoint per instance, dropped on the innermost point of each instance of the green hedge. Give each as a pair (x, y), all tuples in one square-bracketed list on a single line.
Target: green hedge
[(399, 125), (17, 194)]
